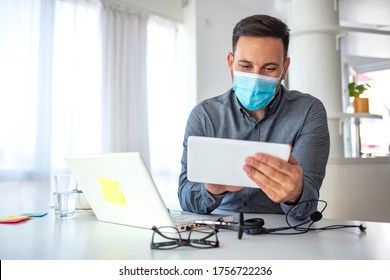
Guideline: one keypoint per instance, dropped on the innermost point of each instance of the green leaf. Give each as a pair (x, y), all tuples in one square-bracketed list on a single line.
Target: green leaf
[(356, 90)]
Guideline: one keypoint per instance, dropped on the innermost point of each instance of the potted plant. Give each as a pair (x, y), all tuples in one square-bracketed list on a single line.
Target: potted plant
[(360, 104)]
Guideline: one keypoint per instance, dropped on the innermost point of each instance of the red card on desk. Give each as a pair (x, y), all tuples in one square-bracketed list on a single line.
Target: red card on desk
[(13, 219)]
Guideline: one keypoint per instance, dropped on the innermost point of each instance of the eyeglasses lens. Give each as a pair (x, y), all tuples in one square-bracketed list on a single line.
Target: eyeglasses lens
[(166, 238), (204, 237)]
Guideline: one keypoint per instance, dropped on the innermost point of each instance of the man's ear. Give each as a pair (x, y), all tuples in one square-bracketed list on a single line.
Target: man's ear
[(286, 66), (230, 62)]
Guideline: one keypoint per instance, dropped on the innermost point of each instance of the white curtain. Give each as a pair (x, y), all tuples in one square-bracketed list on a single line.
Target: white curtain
[(50, 94), (124, 80), (73, 80), (25, 32), (76, 80)]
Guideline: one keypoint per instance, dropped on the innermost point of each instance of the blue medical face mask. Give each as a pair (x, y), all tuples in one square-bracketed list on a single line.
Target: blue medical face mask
[(254, 91)]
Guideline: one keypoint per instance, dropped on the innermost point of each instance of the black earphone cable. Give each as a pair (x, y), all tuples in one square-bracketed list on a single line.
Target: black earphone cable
[(254, 226), (298, 229)]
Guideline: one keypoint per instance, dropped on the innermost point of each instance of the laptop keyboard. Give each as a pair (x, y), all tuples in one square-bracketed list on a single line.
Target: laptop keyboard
[(180, 218)]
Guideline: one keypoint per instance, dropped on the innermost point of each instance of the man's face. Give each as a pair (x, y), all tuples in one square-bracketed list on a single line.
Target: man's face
[(259, 55)]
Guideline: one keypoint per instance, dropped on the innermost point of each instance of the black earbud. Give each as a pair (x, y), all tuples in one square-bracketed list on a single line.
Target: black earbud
[(254, 226), (316, 216), (362, 228), (250, 226)]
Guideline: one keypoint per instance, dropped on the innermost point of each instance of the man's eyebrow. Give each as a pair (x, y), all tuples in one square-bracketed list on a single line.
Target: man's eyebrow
[(244, 60), (264, 65), (271, 64)]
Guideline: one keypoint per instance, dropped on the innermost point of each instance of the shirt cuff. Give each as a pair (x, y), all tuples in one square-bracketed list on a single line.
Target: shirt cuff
[(211, 199)]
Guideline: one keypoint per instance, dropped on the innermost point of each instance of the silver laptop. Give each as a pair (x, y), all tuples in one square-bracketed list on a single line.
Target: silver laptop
[(120, 190)]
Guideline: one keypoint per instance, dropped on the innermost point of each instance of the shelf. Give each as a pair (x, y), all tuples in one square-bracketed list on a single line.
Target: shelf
[(355, 115)]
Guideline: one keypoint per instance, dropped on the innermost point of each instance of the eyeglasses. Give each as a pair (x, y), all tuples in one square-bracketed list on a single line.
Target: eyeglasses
[(165, 238)]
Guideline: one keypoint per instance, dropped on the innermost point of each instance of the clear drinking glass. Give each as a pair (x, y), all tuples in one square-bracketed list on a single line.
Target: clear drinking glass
[(64, 196)]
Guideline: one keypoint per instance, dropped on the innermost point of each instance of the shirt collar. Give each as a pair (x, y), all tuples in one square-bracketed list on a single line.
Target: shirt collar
[(276, 101)]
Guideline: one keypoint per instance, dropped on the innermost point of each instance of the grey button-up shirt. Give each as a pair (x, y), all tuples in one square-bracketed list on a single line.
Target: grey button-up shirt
[(292, 118)]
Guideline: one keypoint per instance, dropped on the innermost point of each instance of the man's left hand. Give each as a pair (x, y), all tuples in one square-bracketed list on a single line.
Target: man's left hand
[(280, 180)]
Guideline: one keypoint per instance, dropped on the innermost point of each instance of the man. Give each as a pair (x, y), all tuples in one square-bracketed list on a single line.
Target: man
[(259, 108)]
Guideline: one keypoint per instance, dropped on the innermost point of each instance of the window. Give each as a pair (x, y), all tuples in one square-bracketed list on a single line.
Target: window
[(76, 86), (51, 90), (50, 85), (168, 104), (19, 30), (375, 133)]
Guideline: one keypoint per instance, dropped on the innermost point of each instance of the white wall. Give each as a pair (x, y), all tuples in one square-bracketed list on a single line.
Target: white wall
[(214, 24), (357, 189)]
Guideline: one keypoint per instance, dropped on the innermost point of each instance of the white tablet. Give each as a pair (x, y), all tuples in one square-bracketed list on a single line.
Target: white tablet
[(221, 161)]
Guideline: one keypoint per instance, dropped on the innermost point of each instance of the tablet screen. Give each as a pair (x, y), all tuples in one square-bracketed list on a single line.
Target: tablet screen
[(220, 161)]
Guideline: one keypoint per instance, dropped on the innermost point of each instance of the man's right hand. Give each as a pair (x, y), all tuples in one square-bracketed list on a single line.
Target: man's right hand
[(220, 189)]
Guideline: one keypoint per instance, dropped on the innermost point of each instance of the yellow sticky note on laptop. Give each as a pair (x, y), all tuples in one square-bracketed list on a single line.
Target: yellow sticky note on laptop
[(111, 191)]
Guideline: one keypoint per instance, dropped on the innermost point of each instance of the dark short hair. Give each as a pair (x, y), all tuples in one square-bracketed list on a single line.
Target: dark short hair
[(262, 26)]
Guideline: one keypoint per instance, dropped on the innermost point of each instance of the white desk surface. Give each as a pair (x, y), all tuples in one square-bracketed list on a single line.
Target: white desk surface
[(86, 238)]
